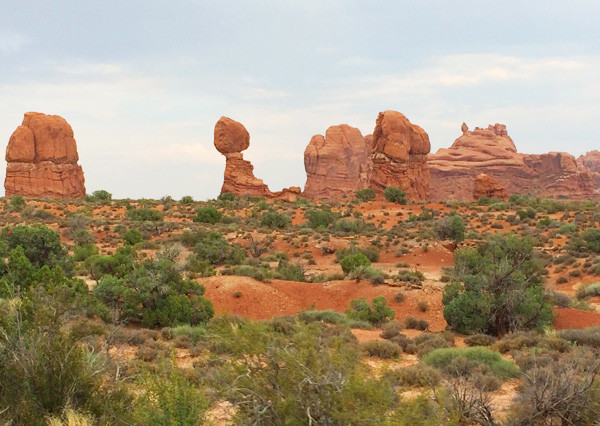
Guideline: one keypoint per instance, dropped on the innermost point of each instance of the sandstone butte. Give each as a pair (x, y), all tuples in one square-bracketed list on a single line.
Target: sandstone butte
[(491, 151), (230, 139), (591, 161), (343, 161), (42, 159)]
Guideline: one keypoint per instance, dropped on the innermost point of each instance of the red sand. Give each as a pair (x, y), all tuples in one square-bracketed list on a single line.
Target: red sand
[(574, 318)]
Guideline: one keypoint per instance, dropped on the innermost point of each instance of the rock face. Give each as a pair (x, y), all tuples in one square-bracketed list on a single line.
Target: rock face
[(337, 164), (231, 138), (343, 161), (399, 155), (487, 186), (492, 151), (42, 159)]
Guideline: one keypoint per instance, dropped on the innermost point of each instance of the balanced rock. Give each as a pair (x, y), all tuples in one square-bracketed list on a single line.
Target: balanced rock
[(42, 159), (337, 164), (230, 139), (493, 152), (487, 186), (399, 155)]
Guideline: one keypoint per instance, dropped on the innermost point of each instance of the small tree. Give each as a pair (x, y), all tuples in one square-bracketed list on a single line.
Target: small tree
[(354, 261), (395, 195), (366, 194), (500, 288), (132, 237), (274, 219), (17, 203), (451, 227)]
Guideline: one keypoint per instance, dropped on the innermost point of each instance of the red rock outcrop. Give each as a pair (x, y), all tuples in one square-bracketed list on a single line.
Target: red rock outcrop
[(337, 164), (42, 159), (492, 151), (487, 186), (231, 138), (591, 161), (399, 155)]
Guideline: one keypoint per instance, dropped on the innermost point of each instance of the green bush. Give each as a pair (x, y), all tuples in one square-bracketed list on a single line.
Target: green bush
[(589, 290), (377, 313), (419, 375), (132, 237), (479, 340), (226, 196), (321, 219), (208, 214), (290, 272), (144, 214), (274, 219), (100, 195), (17, 203), (353, 261), (501, 288), (395, 195), (187, 200), (82, 253), (215, 249), (451, 227), (442, 358), (328, 315), (41, 245), (366, 194)]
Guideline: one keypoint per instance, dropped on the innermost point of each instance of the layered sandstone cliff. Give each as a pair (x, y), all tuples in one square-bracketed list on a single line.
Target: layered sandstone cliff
[(42, 159), (492, 151)]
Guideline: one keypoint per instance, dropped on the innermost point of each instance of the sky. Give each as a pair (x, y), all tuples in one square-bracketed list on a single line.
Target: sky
[(143, 83)]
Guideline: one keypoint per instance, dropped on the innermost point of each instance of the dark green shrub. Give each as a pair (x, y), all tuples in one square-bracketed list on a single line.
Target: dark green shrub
[(395, 195), (226, 196), (321, 219), (132, 237), (215, 249), (377, 313), (502, 288), (144, 214), (451, 227), (187, 200), (208, 214), (41, 245), (100, 195), (353, 261)]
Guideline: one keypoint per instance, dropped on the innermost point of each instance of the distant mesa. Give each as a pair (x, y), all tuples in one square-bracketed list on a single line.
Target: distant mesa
[(42, 159), (492, 152)]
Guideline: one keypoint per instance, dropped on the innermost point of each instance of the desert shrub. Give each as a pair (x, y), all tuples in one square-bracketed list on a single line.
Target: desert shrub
[(415, 277), (352, 226), (391, 329), (144, 214), (16, 203), (423, 305), (321, 219), (377, 313), (371, 252), (442, 359), (451, 227), (155, 294), (274, 219), (589, 290), (132, 237), (407, 345), (381, 349), (428, 342), (353, 261), (415, 324), (529, 339), (215, 249), (479, 340), (399, 297), (258, 273), (187, 200), (290, 272), (168, 398), (567, 228), (328, 316), (208, 214), (118, 264), (562, 280), (81, 253), (584, 337), (502, 288), (562, 392), (366, 194), (528, 213), (100, 195), (311, 376), (395, 195), (419, 375), (40, 244), (227, 196)]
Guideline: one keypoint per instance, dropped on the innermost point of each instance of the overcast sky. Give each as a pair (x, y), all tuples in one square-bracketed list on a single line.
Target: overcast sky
[(142, 83)]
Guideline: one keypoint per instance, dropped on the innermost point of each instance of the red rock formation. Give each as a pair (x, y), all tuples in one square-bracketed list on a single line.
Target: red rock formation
[(338, 164), (486, 186), (42, 159), (591, 161), (399, 155), (231, 138), (492, 151)]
